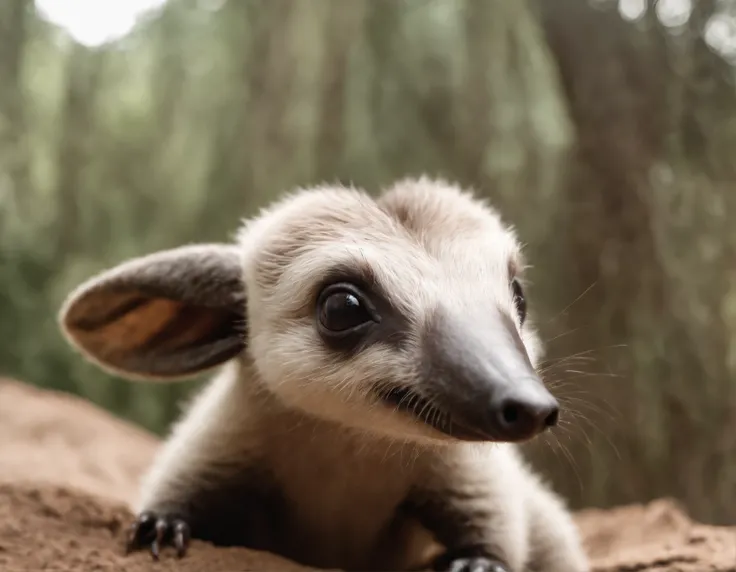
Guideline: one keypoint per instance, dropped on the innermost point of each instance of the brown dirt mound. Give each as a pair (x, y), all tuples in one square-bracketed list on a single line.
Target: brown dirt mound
[(57, 438), (54, 528), (655, 537), (70, 471)]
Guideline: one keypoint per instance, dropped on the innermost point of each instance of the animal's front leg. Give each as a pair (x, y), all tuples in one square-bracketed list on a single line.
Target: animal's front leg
[(208, 481), (235, 508), (473, 533), (482, 529)]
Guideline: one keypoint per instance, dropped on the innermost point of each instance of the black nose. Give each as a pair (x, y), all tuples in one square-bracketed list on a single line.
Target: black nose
[(519, 419)]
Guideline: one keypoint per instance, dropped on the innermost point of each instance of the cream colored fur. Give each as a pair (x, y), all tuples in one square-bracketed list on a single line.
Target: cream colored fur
[(343, 461)]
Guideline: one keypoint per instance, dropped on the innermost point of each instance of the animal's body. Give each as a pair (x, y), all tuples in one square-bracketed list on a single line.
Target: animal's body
[(378, 369)]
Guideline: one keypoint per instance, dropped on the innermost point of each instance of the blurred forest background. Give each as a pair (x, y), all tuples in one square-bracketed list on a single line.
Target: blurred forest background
[(605, 130)]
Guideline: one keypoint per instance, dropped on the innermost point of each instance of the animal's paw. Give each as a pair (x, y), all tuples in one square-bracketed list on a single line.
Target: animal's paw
[(155, 531), (474, 564)]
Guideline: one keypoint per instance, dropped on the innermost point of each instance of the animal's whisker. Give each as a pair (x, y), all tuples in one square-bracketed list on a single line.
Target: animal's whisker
[(571, 304)]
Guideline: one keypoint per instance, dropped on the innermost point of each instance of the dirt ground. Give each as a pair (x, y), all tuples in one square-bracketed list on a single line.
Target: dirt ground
[(68, 472)]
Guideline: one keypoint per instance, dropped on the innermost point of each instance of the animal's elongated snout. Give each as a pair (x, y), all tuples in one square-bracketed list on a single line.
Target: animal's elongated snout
[(482, 377)]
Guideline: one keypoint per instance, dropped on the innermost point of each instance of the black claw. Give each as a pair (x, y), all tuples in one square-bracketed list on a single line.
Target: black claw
[(139, 531), (476, 564), (181, 538), (155, 531)]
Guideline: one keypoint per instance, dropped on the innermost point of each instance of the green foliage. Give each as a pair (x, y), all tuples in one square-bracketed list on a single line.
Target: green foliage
[(608, 143)]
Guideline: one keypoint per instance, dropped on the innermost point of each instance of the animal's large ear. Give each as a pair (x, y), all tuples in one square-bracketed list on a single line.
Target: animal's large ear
[(164, 316)]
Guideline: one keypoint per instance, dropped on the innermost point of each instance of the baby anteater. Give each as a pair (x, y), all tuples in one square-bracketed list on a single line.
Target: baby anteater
[(377, 372)]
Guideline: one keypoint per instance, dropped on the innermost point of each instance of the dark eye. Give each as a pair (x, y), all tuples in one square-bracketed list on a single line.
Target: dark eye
[(519, 299), (342, 309)]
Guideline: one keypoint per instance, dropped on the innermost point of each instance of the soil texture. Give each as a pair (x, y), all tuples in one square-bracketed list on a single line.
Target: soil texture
[(69, 473)]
